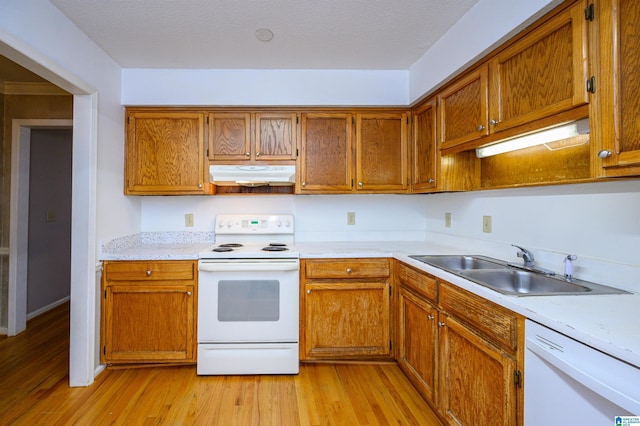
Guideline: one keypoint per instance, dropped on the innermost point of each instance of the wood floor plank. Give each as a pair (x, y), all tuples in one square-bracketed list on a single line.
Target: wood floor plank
[(34, 390)]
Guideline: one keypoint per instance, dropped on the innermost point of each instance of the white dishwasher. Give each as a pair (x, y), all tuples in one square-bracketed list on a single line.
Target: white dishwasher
[(569, 383)]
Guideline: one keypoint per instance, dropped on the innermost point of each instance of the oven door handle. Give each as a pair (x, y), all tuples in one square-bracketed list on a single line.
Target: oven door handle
[(248, 266)]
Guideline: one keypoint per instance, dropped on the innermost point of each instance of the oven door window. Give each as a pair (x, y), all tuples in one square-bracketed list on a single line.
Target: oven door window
[(248, 300)]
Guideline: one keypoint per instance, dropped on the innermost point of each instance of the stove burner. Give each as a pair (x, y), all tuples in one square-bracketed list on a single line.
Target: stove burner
[(274, 248), (222, 249), (230, 245)]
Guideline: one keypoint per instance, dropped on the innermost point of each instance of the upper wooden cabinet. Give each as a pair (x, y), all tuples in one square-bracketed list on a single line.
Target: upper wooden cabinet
[(165, 153), (541, 74), (381, 152), (425, 155), (617, 126), (330, 162), (326, 152), (462, 109), (253, 137)]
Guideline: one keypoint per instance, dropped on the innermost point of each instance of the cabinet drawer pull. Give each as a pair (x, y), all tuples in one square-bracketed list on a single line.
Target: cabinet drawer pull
[(348, 270), (148, 273)]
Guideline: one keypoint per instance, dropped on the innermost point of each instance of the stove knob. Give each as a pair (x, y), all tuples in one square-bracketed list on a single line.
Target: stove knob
[(279, 224), (287, 223)]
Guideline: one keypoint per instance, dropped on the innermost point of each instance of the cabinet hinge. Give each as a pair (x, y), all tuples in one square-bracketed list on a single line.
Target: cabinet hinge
[(297, 154), (207, 119), (390, 290), (128, 120), (105, 294), (517, 378), (104, 350), (407, 119), (352, 183), (591, 85), (297, 120), (589, 12), (390, 345)]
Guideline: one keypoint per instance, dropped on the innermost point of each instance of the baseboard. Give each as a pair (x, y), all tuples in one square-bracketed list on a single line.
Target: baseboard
[(48, 308), (4, 331)]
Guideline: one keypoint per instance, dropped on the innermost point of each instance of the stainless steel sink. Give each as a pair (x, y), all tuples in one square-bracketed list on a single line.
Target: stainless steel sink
[(523, 283), (461, 262), (508, 279)]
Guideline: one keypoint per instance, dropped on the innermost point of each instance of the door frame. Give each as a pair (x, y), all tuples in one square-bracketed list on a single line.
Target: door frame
[(18, 217)]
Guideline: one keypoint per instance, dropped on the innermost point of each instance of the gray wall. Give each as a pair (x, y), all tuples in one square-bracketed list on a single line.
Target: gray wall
[(49, 265)]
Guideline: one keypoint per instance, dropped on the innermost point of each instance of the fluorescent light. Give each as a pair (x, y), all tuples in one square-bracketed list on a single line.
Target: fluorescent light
[(566, 131)]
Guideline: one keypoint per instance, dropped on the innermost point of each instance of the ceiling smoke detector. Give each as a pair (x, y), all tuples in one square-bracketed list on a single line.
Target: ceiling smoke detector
[(264, 34)]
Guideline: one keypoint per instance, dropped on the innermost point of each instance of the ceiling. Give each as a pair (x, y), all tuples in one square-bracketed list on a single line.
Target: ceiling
[(307, 34)]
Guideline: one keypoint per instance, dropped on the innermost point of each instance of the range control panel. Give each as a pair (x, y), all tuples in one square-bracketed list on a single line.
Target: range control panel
[(254, 224)]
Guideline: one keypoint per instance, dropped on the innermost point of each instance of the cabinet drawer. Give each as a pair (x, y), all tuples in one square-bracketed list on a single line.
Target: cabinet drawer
[(417, 281), (149, 271), (347, 268), (493, 321)]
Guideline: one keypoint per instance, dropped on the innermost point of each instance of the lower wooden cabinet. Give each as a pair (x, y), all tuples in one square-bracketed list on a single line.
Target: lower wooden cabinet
[(463, 353), (149, 312), (345, 309)]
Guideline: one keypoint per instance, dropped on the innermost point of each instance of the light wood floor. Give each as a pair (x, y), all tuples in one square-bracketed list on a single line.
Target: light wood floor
[(34, 390)]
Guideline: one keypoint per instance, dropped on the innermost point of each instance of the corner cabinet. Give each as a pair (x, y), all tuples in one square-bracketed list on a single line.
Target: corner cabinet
[(345, 309), (149, 312), (165, 153), (616, 97), (463, 353)]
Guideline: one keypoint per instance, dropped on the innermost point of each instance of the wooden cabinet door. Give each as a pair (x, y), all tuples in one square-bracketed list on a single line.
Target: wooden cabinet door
[(230, 136), (418, 343), (149, 323), (616, 94), (165, 153), (381, 152), (326, 152), (477, 379), (463, 109), (542, 74), (345, 319), (426, 156), (276, 136)]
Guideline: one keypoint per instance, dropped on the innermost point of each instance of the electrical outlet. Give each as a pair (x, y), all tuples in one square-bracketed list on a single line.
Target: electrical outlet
[(351, 218), (447, 220), (486, 224), (188, 220)]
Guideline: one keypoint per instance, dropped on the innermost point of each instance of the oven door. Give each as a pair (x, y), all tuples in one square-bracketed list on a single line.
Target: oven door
[(245, 301)]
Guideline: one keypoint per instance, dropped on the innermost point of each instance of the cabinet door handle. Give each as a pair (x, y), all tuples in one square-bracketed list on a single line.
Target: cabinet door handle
[(493, 122), (359, 183), (604, 153), (441, 324), (257, 154), (430, 181), (304, 183), (247, 154), (188, 293), (148, 273), (308, 291), (430, 317), (480, 127)]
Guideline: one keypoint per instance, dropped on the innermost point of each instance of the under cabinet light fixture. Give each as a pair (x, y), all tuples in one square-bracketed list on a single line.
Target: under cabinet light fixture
[(565, 131)]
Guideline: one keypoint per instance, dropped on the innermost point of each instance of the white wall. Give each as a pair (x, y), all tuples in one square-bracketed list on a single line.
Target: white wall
[(480, 30), (318, 217), (264, 87)]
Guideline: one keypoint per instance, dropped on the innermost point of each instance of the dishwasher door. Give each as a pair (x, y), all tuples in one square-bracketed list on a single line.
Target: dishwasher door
[(569, 383)]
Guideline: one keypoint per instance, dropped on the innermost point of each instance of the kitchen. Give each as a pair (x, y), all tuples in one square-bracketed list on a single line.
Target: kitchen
[(581, 223)]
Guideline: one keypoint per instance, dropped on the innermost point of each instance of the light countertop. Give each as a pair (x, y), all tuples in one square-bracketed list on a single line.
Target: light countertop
[(610, 323)]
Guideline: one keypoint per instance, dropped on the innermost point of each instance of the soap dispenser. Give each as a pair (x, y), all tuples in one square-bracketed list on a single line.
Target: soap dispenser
[(568, 266)]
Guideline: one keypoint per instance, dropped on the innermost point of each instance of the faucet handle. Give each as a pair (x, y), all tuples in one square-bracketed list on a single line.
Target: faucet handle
[(525, 254)]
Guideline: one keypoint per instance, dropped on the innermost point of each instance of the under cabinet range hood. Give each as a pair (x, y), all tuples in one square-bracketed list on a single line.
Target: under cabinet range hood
[(252, 175)]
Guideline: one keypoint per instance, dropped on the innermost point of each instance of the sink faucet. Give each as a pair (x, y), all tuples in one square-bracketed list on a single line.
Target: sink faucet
[(529, 263), (526, 255)]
